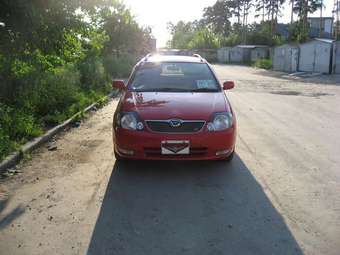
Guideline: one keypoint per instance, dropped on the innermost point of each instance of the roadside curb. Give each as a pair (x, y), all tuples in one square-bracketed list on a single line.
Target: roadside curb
[(16, 157)]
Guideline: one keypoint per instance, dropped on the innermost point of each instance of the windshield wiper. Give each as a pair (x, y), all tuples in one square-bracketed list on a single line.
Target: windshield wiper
[(204, 90)]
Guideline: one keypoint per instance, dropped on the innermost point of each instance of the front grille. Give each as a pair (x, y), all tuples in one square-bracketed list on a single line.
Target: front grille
[(198, 151), (163, 126)]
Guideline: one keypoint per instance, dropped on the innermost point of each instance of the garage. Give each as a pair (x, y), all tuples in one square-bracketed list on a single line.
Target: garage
[(223, 55), (285, 58), (316, 56)]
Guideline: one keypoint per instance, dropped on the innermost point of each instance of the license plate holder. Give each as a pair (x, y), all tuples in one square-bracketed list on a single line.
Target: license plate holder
[(175, 147)]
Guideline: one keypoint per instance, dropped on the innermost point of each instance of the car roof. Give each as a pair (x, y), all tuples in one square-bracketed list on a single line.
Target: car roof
[(173, 58)]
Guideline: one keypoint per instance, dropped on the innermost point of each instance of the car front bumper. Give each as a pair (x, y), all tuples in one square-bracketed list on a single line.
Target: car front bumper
[(145, 145)]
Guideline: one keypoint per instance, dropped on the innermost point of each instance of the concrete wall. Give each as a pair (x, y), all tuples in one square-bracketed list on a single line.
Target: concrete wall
[(315, 56), (285, 58)]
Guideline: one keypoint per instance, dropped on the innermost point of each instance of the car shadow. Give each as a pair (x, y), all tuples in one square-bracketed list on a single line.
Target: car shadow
[(188, 208)]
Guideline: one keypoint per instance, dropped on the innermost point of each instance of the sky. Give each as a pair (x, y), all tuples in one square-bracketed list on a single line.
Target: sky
[(157, 13)]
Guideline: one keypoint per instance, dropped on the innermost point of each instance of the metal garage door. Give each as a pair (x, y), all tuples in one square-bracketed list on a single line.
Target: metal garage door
[(315, 57), (279, 59), (322, 57), (306, 59)]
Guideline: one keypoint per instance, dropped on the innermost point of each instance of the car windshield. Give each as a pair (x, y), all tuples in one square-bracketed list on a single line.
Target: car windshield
[(174, 77)]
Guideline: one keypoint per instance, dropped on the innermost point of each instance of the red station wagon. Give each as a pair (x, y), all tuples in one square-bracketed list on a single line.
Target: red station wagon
[(174, 108)]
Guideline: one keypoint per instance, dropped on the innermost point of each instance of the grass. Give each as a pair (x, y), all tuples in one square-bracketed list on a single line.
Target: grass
[(18, 127), (263, 63)]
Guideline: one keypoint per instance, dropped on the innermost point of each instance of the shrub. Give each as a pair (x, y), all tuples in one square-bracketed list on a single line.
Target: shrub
[(263, 63), (6, 145), (17, 125), (92, 73), (51, 92), (118, 67)]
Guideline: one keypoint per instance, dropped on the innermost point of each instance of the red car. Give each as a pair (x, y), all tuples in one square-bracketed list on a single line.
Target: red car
[(174, 108)]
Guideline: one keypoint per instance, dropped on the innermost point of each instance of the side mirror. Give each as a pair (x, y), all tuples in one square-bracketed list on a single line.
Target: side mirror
[(228, 85), (118, 84)]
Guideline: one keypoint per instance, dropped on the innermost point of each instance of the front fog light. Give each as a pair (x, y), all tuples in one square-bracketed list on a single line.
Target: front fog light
[(223, 152), (126, 152)]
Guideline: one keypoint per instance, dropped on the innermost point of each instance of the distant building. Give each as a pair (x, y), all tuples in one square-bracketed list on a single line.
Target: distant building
[(326, 25), (314, 28), (282, 30)]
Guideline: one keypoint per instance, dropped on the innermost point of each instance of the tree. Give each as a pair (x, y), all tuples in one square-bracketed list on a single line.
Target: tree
[(204, 39), (303, 8), (181, 33), (217, 17)]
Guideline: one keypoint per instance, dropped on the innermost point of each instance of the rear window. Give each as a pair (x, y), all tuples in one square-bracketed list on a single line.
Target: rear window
[(174, 77)]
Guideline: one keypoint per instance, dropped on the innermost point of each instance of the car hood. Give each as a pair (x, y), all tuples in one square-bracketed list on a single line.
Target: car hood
[(182, 105)]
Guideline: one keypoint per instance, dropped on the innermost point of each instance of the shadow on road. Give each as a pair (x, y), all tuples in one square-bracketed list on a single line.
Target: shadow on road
[(188, 208), (7, 219)]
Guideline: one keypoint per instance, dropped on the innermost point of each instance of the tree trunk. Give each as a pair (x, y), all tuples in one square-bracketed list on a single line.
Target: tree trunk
[(292, 13)]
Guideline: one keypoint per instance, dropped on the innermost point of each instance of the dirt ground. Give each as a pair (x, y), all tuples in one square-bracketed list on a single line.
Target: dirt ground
[(280, 194)]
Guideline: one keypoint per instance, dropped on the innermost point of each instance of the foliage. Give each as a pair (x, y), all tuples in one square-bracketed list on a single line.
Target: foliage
[(260, 34), (298, 33), (263, 63), (204, 39), (182, 33), (56, 57), (217, 17), (217, 20), (231, 40)]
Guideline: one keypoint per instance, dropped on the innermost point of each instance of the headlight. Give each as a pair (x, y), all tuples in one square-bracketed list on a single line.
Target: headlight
[(129, 121), (221, 121)]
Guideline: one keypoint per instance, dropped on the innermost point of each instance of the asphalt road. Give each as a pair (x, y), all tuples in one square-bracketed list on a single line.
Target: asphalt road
[(280, 194)]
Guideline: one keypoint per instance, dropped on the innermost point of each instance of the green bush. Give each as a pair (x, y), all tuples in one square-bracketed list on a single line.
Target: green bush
[(51, 92), (18, 125), (118, 67), (6, 145), (263, 63), (93, 75)]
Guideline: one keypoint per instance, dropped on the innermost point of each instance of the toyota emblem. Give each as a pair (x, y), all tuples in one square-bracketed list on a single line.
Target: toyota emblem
[(175, 123)]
